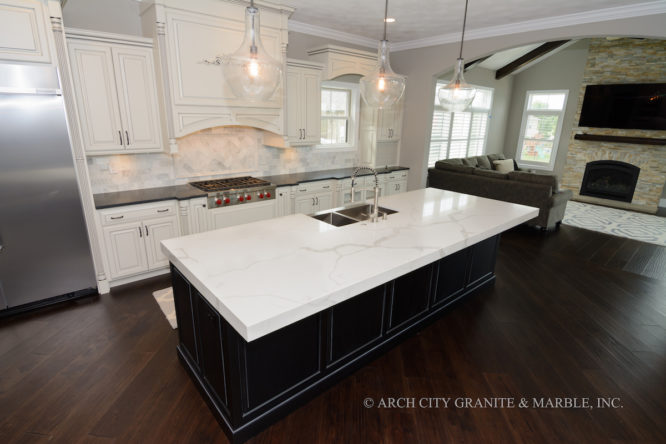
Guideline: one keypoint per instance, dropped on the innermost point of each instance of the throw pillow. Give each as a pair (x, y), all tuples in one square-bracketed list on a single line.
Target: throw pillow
[(484, 163), (504, 166), (470, 161), (452, 161)]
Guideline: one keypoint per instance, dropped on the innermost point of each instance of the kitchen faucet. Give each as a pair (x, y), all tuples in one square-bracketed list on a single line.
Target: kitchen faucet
[(375, 207)]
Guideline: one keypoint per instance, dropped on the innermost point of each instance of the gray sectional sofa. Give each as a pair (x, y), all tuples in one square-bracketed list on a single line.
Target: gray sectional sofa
[(476, 176)]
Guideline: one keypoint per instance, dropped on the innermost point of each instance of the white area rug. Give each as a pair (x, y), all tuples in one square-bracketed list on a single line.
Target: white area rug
[(637, 226), (165, 300)]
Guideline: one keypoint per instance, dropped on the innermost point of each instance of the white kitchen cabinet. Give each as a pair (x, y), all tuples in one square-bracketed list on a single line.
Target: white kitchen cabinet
[(25, 31), (132, 236), (339, 61), (396, 182), (311, 197), (303, 102), (283, 196), (116, 93), (389, 123), (198, 220)]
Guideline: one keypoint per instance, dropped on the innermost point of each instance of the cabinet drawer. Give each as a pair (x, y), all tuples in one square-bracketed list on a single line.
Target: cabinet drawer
[(136, 212), (312, 187)]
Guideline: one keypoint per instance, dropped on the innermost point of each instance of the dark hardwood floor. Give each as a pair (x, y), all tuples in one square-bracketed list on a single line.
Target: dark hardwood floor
[(573, 313)]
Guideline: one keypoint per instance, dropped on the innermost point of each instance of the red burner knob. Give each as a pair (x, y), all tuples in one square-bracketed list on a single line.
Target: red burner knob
[(227, 200), (268, 195), (261, 195), (218, 202), (248, 197), (241, 198)]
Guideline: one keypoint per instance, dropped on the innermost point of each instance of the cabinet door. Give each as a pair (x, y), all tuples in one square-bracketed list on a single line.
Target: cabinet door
[(96, 96), (311, 115), (283, 197), (137, 97), (24, 31), (305, 204), (294, 106), (324, 201), (388, 124), (345, 196), (155, 231), (125, 249), (199, 220)]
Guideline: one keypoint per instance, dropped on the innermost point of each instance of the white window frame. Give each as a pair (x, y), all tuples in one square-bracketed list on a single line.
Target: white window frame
[(354, 112), (556, 140), (470, 109)]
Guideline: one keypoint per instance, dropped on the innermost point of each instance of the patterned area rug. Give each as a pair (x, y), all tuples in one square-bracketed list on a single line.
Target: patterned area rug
[(165, 300), (637, 226)]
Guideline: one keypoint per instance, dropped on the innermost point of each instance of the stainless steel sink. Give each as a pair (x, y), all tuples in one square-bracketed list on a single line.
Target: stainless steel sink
[(339, 217), (334, 219), (364, 212)]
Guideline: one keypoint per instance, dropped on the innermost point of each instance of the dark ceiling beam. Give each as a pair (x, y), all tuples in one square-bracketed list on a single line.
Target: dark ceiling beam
[(474, 63), (528, 58)]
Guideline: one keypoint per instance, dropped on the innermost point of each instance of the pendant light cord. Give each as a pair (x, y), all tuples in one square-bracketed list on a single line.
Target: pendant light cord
[(462, 39), (385, 17)]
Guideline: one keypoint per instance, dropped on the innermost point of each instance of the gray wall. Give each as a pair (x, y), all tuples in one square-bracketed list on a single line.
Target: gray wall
[(501, 102), (118, 16), (563, 70), (299, 44), (423, 65)]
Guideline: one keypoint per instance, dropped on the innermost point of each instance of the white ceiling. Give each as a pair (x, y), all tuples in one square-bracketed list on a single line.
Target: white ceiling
[(427, 19)]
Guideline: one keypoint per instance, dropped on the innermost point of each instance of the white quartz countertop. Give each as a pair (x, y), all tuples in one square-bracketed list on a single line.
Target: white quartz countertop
[(265, 275)]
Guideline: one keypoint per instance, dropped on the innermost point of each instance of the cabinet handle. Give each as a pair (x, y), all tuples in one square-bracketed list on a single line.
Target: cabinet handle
[(117, 217), (127, 137), (165, 210), (327, 186), (121, 137), (146, 230), (140, 232), (313, 201), (317, 200)]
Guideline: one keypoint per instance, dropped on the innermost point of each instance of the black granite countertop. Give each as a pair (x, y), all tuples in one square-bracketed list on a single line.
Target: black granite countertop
[(313, 176), (184, 192), (146, 195)]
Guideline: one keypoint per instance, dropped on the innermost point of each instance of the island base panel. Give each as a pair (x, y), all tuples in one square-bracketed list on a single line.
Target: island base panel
[(250, 385)]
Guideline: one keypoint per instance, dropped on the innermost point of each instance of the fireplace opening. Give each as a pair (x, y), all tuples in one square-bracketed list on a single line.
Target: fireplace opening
[(610, 179)]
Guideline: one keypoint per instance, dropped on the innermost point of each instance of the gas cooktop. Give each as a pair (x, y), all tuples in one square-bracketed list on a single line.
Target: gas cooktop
[(230, 183)]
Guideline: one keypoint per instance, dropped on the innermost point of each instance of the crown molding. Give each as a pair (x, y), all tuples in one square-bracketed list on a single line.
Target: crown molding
[(341, 36), (579, 18)]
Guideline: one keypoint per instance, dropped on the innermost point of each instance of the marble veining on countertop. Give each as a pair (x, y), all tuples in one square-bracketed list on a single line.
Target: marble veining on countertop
[(265, 275), (186, 191)]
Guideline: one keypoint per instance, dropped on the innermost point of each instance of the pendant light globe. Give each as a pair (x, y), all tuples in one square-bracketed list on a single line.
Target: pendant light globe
[(250, 72)]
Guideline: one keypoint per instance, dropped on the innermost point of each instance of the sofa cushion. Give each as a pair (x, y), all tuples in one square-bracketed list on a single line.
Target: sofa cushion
[(452, 161), (440, 165), (490, 173), (504, 165), (494, 157), (541, 179), (484, 163), (470, 161)]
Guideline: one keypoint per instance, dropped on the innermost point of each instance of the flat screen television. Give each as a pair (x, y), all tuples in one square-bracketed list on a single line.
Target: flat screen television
[(627, 106)]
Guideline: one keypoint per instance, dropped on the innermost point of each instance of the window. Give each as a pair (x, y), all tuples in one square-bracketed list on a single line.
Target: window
[(460, 134), (541, 127), (339, 114)]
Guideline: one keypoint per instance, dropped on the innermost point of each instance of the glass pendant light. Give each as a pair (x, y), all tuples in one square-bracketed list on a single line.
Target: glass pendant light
[(457, 95), (382, 88), (251, 73)]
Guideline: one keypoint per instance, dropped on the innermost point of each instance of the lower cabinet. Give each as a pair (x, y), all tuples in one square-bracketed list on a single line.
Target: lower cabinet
[(249, 385), (313, 196), (132, 237)]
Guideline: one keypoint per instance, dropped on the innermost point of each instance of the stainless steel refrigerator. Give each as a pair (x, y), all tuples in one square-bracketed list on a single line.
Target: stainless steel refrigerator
[(44, 249)]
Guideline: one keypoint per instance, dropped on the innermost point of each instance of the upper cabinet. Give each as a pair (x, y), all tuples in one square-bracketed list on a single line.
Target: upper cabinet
[(303, 102), (339, 61), (389, 123), (116, 92), (196, 94), (25, 28)]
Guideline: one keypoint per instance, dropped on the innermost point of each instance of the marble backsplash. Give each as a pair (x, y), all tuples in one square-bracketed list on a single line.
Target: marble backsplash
[(211, 153)]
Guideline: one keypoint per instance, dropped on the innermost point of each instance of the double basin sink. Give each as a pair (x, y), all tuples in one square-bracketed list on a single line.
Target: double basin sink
[(350, 214)]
